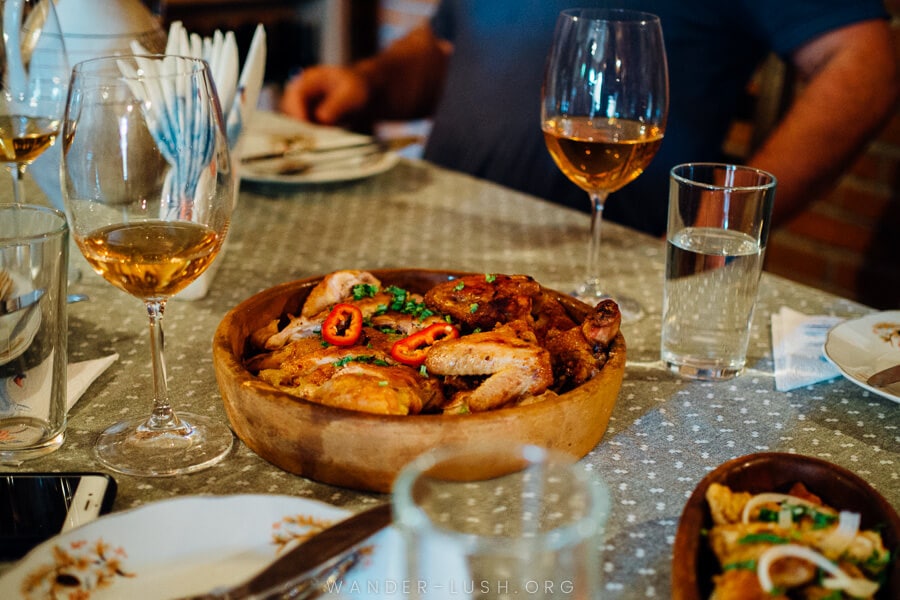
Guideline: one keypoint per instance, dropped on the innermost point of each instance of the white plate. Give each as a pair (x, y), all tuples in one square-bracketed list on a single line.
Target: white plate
[(861, 347), (184, 546), (268, 132)]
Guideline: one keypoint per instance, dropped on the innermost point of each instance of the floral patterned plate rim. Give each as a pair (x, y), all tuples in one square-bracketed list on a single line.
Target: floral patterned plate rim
[(862, 346), (176, 547)]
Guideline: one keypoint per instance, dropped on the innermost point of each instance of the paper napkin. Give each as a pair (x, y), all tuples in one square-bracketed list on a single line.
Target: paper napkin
[(797, 342), (81, 375)]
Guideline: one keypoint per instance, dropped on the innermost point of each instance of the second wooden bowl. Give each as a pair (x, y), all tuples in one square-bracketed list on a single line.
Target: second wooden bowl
[(694, 563)]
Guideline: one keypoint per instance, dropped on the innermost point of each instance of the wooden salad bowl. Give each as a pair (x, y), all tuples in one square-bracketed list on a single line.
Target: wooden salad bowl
[(694, 564), (365, 451)]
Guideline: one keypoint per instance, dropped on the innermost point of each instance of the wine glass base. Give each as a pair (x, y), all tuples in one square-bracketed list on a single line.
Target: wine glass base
[(132, 448), (631, 309)]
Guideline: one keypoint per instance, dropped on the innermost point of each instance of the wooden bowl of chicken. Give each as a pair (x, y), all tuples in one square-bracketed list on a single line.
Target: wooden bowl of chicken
[(524, 363)]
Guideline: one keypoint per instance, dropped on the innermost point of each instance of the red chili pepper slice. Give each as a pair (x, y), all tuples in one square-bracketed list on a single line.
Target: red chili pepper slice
[(343, 325), (412, 349)]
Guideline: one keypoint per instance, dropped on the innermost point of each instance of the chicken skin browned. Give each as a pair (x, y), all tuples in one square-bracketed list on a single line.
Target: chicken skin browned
[(509, 356), (336, 287), (483, 301)]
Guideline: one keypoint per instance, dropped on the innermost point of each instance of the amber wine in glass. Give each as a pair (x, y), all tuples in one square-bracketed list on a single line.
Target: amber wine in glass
[(149, 189), (603, 111), (33, 87)]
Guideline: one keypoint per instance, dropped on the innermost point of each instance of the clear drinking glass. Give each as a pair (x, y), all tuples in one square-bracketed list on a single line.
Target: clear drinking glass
[(148, 187), (603, 113), (498, 520), (719, 221), (33, 87)]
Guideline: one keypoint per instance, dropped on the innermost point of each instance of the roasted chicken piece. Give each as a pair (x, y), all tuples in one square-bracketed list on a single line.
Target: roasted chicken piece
[(483, 301), (509, 356), (602, 324), (726, 505), (741, 584), (302, 366), (387, 390), (357, 378), (336, 287), (311, 326), (579, 352)]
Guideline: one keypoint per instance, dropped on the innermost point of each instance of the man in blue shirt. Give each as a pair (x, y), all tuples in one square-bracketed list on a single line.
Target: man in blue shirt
[(476, 68)]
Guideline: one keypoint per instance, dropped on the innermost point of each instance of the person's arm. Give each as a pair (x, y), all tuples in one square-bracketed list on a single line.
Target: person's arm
[(851, 88), (402, 82)]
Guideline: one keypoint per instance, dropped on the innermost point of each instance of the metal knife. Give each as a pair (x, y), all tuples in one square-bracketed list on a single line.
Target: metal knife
[(885, 377), (11, 305), (370, 145), (309, 565)]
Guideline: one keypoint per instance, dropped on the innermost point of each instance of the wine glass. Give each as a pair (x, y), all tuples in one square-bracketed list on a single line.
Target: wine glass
[(603, 112), (33, 88), (148, 187)]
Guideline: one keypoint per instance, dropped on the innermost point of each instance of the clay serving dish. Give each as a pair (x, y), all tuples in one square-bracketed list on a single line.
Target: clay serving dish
[(694, 564), (366, 451)]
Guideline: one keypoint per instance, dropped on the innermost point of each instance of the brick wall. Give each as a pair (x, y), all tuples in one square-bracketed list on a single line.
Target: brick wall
[(848, 242)]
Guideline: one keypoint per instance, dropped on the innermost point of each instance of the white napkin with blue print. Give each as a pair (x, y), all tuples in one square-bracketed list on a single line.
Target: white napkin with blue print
[(797, 342)]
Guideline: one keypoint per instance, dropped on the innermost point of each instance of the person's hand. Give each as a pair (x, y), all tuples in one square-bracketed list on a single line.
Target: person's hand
[(326, 94)]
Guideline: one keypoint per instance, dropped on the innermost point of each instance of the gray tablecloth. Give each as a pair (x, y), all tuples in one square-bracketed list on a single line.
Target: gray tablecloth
[(665, 433)]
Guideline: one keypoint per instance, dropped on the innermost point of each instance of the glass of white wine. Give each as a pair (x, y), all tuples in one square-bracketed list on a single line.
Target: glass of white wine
[(148, 188), (604, 107), (33, 86)]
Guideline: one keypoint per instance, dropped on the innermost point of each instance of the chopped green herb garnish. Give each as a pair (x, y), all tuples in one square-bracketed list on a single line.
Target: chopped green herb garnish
[(763, 537), (363, 290), (363, 358), (767, 515), (490, 278), (383, 383), (741, 564), (459, 286), (401, 302), (423, 371), (877, 561), (821, 520), (473, 307)]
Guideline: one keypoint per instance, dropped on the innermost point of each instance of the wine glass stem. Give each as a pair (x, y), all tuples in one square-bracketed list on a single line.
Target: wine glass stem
[(163, 416), (598, 200), (18, 173)]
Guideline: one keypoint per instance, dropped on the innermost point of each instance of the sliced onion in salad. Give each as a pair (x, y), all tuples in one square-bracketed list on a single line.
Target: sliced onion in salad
[(843, 535), (772, 497), (838, 580)]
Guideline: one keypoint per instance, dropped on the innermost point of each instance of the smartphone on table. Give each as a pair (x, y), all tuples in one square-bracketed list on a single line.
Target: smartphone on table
[(36, 506)]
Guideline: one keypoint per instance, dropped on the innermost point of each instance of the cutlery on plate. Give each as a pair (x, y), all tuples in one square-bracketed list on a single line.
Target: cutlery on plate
[(17, 303), (297, 166), (368, 145), (885, 377), (307, 569)]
